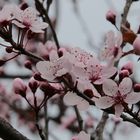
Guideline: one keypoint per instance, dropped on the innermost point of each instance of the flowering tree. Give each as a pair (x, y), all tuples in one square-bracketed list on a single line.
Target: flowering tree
[(67, 77)]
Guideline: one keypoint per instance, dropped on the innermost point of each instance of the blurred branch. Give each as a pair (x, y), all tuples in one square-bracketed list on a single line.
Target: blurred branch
[(7, 132), (125, 13), (98, 134), (43, 12), (79, 118)]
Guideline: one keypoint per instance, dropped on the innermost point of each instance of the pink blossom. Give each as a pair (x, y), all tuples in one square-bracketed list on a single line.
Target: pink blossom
[(82, 136), (117, 95), (79, 57), (48, 49), (28, 19), (19, 87), (112, 51), (50, 70), (6, 14), (97, 73), (72, 99)]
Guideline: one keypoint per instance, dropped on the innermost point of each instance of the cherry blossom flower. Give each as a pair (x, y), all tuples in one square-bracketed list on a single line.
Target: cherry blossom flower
[(117, 95), (6, 14), (82, 136), (50, 70), (112, 51), (72, 99), (79, 57), (28, 19), (98, 73), (48, 50)]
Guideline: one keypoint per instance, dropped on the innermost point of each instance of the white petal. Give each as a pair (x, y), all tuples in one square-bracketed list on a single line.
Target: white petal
[(53, 55), (110, 39), (71, 99), (118, 110), (42, 66), (104, 102), (125, 86), (83, 136), (108, 72), (83, 105), (110, 87), (119, 39), (132, 98), (61, 72)]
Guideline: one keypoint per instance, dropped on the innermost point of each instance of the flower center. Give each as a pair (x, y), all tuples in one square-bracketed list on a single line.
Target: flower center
[(119, 98)]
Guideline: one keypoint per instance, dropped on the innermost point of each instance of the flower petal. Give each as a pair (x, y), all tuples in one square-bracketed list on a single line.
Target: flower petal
[(108, 72), (71, 99), (104, 102), (125, 86), (118, 110), (110, 87), (83, 105), (83, 136), (132, 98)]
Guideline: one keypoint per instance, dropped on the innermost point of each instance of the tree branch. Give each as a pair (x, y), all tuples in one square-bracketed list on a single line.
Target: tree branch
[(7, 132)]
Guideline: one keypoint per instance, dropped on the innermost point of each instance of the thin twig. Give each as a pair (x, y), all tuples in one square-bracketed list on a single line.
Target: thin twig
[(98, 134)]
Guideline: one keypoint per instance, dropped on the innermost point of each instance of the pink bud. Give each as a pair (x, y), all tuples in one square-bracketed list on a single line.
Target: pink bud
[(89, 93), (19, 87), (123, 74), (136, 45), (28, 64), (137, 87), (38, 77), (111, 16), (128, 66), (33, 84)]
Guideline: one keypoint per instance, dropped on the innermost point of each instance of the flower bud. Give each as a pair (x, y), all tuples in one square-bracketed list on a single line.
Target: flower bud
[(19, 87), (28, 64), (37, 76), (123, 74), (33, 84), (137, 87), (136, 45), (9, 49), (89, 93), (111, 17), (128, 66)]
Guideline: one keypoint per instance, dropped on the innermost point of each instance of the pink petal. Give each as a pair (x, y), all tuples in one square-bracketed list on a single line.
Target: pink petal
[(110, 39), (53, 55), (42, 66), (110, 87), (108, 72), (125, 86), (83, 105), (104, 102), (118, 110), (71, 99), (119, 39), (83, 136), (132, 98)]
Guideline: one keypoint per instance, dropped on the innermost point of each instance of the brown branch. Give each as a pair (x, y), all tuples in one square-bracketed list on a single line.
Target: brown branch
[(43, 11), (7, 132), (98, 134), (125, 13), (79, 118)]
